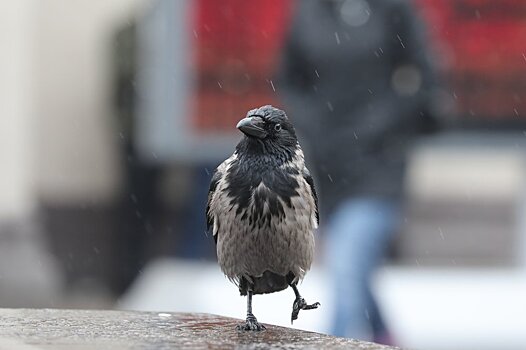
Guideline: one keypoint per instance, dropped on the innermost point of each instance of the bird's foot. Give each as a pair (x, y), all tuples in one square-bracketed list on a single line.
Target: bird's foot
[(301, 304), (251, 324)]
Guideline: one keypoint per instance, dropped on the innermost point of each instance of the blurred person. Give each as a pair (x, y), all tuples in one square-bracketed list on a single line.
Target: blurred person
[(357, 81)]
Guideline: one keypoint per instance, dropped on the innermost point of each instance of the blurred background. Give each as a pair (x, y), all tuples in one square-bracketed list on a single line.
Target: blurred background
[(114, 114)]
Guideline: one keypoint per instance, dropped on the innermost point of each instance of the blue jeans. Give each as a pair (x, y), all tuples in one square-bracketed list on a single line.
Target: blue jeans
[(358, 233)]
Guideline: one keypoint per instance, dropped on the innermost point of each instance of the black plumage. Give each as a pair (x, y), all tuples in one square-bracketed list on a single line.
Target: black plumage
[(262, 209)]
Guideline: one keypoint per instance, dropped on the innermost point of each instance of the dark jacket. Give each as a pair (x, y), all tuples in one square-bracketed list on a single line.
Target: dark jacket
[(355, 79)]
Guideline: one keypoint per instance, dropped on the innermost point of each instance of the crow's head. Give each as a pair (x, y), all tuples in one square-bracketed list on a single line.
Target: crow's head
[(268, 126)]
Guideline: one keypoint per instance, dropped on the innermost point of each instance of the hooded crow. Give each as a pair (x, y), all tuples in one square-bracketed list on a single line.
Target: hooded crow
[(262, 209)]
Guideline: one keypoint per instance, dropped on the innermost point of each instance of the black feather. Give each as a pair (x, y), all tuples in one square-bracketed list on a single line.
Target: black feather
[(308, 177), (216, 176), (246, 173)]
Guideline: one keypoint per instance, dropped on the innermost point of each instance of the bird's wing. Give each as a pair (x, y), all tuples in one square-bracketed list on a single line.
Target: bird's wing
[(308, 177), (216, 176)]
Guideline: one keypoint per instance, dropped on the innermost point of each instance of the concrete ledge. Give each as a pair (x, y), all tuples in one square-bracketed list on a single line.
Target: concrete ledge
[(31, 329)]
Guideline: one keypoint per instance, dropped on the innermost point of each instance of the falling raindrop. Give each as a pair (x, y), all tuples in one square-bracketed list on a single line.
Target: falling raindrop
[(441, 233), (337, 38), (367, 316), (401, 42)]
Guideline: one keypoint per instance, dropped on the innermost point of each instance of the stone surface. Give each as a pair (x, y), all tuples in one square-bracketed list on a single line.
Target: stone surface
[(32, 329)]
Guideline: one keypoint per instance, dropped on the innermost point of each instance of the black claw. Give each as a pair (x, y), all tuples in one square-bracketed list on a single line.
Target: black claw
[(312, 306), (301, 304), (251, 324)]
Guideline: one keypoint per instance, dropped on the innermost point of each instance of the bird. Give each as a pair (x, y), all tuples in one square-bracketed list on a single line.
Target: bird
[(262, 210)]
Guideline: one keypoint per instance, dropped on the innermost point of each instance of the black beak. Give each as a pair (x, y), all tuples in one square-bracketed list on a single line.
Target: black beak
[(252, 127)]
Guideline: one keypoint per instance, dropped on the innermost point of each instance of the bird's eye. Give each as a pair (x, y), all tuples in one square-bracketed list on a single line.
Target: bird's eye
[(277, 127)]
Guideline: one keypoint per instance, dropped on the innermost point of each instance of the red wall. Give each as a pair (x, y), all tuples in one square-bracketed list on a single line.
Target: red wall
[(480, 46), (482, 49), (237, 43)]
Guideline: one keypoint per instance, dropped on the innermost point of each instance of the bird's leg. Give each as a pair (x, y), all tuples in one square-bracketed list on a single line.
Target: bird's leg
[(300, 304), (252, 323)]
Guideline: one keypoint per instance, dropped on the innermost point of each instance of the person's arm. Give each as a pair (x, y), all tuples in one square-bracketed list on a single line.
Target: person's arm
[(414, 77)]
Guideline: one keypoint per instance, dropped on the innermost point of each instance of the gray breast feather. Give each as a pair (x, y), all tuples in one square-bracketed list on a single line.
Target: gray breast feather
[(284, 244)]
